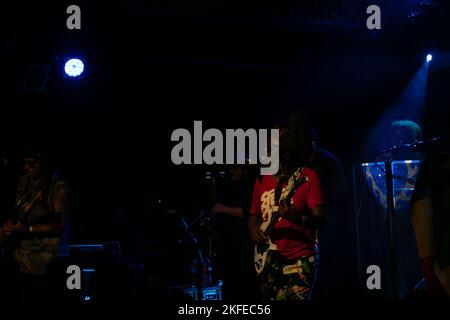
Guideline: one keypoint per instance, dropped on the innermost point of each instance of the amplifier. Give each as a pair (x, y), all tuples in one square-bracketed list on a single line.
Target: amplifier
[(110, 248), (88, 255), (207, 293)]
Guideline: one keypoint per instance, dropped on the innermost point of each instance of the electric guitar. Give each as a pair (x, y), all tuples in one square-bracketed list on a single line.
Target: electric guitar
[(262, 254), (9, 242)]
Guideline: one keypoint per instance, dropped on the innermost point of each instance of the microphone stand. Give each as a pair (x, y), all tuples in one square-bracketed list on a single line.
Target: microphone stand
[(392, 227), (202, 218), (393, 255), (201, 260)]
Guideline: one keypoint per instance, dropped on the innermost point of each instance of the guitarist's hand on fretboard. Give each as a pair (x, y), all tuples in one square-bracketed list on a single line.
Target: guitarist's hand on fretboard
[(2, 234), (284, 208), (289, 212), (10, 228)]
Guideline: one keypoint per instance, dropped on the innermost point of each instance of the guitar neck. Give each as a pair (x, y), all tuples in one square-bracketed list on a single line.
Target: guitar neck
[(276, 214), (271, 225)]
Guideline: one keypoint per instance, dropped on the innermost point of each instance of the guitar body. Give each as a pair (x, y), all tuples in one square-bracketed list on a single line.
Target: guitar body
[(262, 256), (262, 252), (9, 243)]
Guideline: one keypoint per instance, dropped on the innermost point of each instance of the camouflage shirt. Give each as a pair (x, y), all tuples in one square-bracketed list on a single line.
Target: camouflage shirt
[(47, 201)]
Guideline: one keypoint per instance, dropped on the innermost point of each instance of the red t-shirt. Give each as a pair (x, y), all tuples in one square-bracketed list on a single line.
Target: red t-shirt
[(293, 241)]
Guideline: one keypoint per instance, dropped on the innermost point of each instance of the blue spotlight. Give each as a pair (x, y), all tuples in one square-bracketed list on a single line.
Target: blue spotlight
[(429, 57), (74, 67)]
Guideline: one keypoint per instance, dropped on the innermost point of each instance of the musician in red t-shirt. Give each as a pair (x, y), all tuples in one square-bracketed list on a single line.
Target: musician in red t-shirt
[(290, 272)]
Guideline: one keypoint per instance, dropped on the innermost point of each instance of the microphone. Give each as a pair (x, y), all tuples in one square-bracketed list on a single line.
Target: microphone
[(413, 145)]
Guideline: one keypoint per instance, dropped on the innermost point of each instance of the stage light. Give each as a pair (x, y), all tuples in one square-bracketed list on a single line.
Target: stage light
[(429, 57), (74, 67)]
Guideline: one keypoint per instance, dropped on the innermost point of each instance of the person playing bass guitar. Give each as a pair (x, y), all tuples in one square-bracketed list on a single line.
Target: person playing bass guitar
[(294, 195)]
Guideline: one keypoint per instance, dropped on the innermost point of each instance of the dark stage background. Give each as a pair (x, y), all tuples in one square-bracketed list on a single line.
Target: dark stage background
[(152, 67)]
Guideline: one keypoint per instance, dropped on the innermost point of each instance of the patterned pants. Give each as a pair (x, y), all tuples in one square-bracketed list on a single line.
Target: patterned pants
[(291, 280)]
